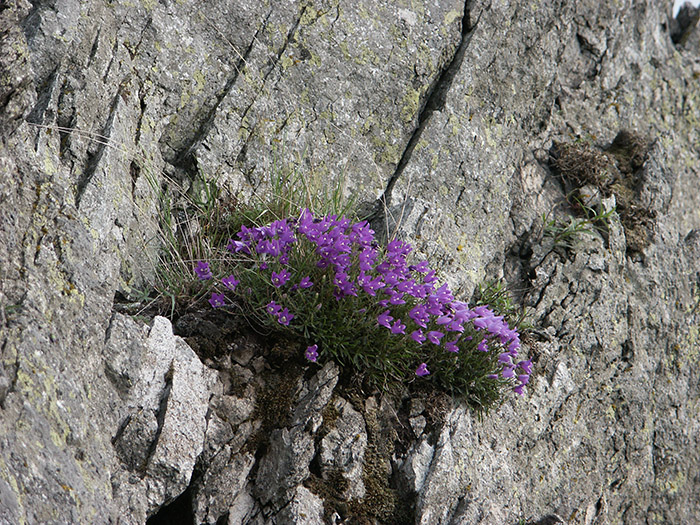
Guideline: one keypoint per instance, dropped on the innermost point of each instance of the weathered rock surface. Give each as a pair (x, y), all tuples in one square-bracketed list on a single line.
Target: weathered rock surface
[(450, 112)]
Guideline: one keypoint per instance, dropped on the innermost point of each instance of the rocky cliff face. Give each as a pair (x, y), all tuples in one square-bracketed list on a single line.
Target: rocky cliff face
[(461, 116)]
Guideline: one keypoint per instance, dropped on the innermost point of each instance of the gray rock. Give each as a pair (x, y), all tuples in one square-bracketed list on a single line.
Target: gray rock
[(242, 510), (447, 113), (222, 488), (164, 429), (305, 507), (286, 464), (343, 448), (417, 464)]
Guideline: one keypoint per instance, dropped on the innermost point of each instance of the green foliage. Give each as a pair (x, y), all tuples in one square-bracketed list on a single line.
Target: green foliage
[(297, 289), (197, 225), (496, 295), (188, 226), (567, 233), (196, 222)]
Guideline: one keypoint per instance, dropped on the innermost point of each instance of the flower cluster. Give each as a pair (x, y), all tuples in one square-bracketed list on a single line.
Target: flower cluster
[(308, 263)]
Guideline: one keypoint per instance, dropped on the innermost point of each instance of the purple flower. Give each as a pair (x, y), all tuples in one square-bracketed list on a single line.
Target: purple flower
[(519, 390), (430, 277), (524, 379), (421, 267), (312, 353), (481, 322), (398, 328), (419, 315), (361, 233), (217, 300), (508, 372), (249, 234), (384, 319), (383, 267), (270, 247), (443, 319), (451, 346), (526, 366), (230, 282), (284, 317), (505, 359), (455, 326), (507, 334), (237, 246), (422, 370), (306, 220), (398, 249), (273, 308), (202, 270), (392, 279), (395, 297), (305, 283), (367, 257), (279, 279), (444, 294), (369, 285), (418, 337), (483, 346), (406, 286), (434, 305), (482, 311), (434, 337), (343, 286)]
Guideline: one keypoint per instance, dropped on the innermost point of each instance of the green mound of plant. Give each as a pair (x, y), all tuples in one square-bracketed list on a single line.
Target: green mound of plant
[(323, 279)]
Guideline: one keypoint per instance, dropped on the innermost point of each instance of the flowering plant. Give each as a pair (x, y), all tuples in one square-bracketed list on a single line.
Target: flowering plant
[(327, 280)]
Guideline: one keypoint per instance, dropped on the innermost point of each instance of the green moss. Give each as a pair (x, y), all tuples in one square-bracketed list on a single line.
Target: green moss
[(331, 488), (12, 481), (381, 503), (149, 4), (580, 163), (330, 416), (615, 171), (274, 403)]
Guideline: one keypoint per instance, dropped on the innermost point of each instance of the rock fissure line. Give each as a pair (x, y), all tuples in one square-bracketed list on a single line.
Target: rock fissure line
[(434, 101), (115, 52), (240, 157), (94, 159), (94, 48), (160, 416), (12, 373), (139, 122), (203, 130), (133, 52), (273, 65), (183, 157), (44, 96)]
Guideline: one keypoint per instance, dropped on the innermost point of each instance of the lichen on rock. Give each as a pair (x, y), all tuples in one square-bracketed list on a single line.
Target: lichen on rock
[(441, 118)]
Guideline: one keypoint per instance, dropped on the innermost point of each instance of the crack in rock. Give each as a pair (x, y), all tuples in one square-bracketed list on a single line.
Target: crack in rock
[(434, 102)]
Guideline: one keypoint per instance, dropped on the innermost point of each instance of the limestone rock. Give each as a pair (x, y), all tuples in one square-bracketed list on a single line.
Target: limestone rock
[(163, 430), (442, 119), (286, 465), (342, 449)]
